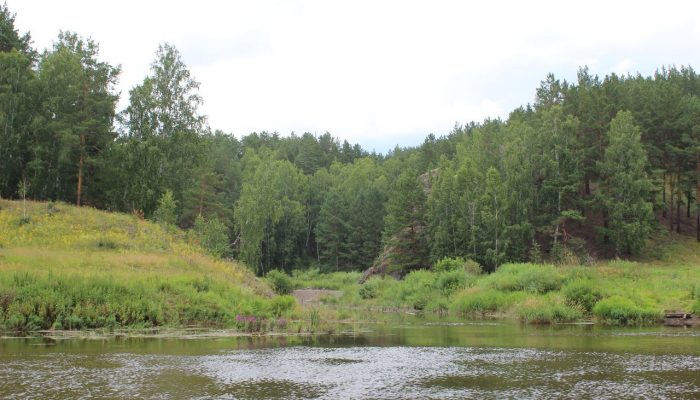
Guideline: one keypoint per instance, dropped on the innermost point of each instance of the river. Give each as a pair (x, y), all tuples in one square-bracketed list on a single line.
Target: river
[(406, 359)]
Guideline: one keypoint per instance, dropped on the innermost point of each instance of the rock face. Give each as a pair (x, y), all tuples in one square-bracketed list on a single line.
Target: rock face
[(383, 264)]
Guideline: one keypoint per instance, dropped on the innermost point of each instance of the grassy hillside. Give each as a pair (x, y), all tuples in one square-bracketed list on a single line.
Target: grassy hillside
[(64, 267)]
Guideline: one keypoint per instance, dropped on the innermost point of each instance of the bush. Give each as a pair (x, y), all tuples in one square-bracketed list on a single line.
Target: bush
[(212, 236), (619, 310), (370, 289), (451, 281), (582, 294), (457, 264), (696, 306), (471, 302), (448, 264), (532, 278), (280, 282), (314, 278), (166, 212), (416, 289), (537, 312), (280, 304)]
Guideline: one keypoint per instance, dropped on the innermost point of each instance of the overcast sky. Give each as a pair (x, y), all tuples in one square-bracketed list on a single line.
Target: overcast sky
[(378, 73)]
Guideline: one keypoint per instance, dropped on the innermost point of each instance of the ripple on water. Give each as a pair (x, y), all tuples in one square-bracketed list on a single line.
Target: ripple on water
[(352, 372)]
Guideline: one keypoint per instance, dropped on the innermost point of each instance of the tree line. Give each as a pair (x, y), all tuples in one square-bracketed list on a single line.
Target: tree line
[(591, 167)]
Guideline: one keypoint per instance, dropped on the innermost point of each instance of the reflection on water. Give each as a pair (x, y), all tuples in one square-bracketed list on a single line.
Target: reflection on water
[(408, 360)]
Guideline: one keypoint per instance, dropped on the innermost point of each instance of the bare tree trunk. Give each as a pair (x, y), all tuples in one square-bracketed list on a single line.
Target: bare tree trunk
[(80, 168), (697, 198), (663, 194), (679, 200), (670, 215)]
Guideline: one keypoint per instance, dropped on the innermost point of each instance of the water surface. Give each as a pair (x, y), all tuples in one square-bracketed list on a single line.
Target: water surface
[(407, 359)]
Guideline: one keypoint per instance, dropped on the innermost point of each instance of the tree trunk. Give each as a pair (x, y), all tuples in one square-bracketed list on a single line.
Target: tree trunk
[(82, 149), (201, 195), (663, 195), (670, 203), (697, 197), (679, 200), (80, 168)]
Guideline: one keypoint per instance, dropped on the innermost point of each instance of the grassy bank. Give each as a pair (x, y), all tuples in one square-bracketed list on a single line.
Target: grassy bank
[(615, 292), (64, 267)]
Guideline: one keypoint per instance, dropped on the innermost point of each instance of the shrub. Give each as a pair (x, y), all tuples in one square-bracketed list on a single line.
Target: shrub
[(696, 306), (471, 302), (448, 264), (451, 281), (526, 277), (280, 282), (281, 304), (166, 212), (314, 278), (538, 312), (619, 310), (370, 289), (439, 305), (415, 290), (457, 264), (212, 235), (582, 294)]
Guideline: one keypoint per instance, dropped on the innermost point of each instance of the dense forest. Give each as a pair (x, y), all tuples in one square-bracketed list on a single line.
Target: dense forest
[(590, 169)]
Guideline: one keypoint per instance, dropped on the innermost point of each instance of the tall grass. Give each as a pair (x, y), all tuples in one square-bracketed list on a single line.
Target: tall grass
[(77, 268), (618, 310)]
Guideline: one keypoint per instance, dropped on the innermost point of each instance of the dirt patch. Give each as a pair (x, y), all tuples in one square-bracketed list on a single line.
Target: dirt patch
[(313, 296)]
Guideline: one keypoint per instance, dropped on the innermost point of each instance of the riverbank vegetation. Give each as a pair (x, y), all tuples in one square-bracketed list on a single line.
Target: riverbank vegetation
[(616, 292), (63, 267), (541, 207)]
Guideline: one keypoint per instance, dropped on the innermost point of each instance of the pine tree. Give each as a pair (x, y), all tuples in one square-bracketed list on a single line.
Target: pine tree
[(405, 225), (624, 195)]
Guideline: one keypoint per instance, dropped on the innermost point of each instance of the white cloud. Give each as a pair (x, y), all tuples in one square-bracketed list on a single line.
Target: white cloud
[(375, 72)]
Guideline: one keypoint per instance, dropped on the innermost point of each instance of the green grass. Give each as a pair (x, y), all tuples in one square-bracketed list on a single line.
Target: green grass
[(610, 292), (65, 267), (76, 268)]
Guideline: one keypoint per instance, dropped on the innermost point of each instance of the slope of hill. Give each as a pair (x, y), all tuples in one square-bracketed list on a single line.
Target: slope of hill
[(63, 267)]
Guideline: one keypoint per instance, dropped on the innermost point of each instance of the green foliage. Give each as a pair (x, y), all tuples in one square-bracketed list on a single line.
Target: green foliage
[(620, 310), (166, 211), (625, 193), (545, 313), (404, 225), (32, 301), (582, 294), (531, 278), (370, 289), (270, 213), (480, 303), (593, 156), (280, 305), (350, 214), (73, 125), (280, 282), (451, 281), (314, 318), (212, 236), (314, 278)]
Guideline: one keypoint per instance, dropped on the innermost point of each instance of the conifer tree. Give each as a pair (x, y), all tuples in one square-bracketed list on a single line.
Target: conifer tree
[(624, 195)]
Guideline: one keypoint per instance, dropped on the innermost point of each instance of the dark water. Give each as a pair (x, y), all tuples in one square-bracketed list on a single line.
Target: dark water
[(387, 361)]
